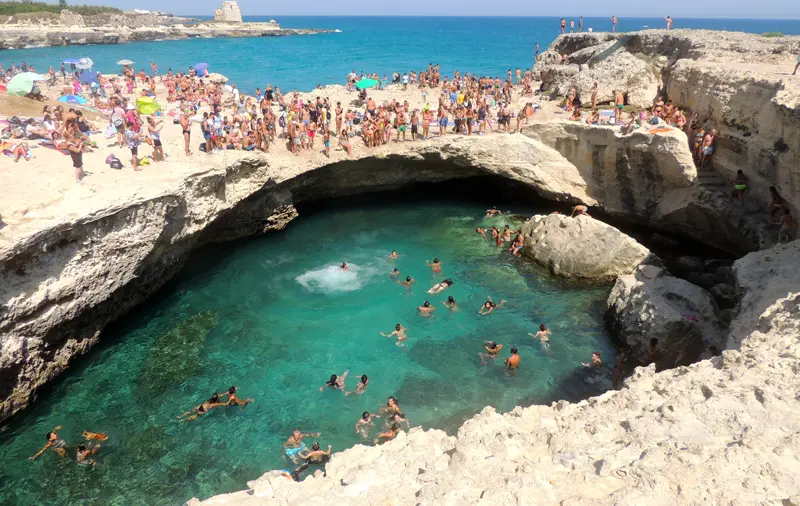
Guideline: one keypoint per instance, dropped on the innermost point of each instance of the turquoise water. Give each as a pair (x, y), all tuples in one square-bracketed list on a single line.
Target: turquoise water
[(487, 46), (274, 316)]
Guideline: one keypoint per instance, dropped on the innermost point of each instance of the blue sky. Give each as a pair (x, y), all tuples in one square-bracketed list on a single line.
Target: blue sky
[(772, 9)]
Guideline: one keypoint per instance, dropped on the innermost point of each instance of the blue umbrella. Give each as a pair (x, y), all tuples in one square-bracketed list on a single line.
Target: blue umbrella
[(72, 99), (199, 67)]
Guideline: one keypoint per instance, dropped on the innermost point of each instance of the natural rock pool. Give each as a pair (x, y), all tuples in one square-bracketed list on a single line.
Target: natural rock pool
[(275, 316)]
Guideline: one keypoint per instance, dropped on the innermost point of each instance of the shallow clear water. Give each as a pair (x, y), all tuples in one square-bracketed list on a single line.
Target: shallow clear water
[(275, 317)]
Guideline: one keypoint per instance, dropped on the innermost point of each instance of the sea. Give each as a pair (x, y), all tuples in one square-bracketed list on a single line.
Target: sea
[(487, 46)]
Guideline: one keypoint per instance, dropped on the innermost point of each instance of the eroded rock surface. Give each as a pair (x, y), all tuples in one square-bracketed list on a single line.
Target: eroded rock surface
[(581, 247), (651, 304)]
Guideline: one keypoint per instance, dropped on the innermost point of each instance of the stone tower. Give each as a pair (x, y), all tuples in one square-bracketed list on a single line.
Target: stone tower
[(228, 12)]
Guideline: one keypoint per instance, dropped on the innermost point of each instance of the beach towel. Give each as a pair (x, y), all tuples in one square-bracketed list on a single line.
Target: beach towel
[(50, 145)]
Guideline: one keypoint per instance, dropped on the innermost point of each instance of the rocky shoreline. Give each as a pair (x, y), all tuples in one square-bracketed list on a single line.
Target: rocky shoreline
[(71, 29), (719, 430)]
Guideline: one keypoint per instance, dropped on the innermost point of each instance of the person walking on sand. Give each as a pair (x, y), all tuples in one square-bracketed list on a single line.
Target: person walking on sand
[(669, 22)]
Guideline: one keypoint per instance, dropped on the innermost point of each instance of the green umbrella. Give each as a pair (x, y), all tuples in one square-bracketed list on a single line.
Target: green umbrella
[(23, 83), (366, 83)]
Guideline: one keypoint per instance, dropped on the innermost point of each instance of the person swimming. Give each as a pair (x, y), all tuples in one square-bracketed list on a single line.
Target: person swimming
[(395, 272), (450, 303), (391, 407), (398, 331), (336, 382), (490, 306), (54, 442), (491, 212), (596, 363), (492, 349), (361, 387), (440, 287), (507, 233), (436, 265), (481, 231), (316, 456), (83, 454), (543, 336), (512, 362), (365, 423), (202, 409), (407, 283), (393, 255), (233, 400), (295, 445), (343, 266), (517, 245), (394, 427), (426, 309)]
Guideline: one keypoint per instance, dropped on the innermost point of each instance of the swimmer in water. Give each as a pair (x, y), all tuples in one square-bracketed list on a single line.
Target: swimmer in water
[(490, 306), (492, 349), (436, 266), (96, 436), (517, 245), (506, 233), (316, 456), (361, 387), (481, 231), (450, 303), (54, 443), (440, 287), (365, 423), (491, 212), (495, 233), (295, 444), (512, 362), (393, 255), (391, 408), (596, 363), (407, 283), (394, 427), (233, 400), (343, 266), (395, 272), (543, 336), (83, 454), (202, 409), (336, 382), (426, 309), (398, 331)]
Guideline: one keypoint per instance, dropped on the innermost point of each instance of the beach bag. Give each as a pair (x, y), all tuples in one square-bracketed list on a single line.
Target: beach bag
[(114, 162), (282, 122)]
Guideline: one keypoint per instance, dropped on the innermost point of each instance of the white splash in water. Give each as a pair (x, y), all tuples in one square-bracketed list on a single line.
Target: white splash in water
[(332, 279)]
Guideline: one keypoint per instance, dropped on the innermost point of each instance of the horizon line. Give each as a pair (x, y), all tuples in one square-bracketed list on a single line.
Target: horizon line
[(489, 16)]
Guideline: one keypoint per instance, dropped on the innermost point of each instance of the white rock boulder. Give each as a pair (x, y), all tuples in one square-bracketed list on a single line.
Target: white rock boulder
[(581, 247)]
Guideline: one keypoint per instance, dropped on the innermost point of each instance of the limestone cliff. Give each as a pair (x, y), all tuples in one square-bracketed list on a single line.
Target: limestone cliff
[(721, 431), (738, 83)]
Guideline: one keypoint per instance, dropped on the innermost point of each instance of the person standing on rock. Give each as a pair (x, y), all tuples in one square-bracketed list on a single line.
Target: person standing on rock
[(708, 148), (571, 26), (563, 25), (669, 22), (579, 210), (594, 96), (787, 227), (619, 102), (614, 24), (580, 24), (797, 66)]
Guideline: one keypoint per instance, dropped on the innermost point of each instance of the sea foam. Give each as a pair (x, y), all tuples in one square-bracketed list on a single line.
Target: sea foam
[(332, 279)]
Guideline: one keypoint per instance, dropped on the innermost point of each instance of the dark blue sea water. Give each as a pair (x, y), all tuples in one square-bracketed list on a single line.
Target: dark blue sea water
[(488, 46)]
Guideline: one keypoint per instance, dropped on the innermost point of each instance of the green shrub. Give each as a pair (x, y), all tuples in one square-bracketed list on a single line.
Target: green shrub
[(772, 34), (14, 8)]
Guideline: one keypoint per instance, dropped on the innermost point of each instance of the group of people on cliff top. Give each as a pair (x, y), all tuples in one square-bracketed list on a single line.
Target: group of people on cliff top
[(614, 25)]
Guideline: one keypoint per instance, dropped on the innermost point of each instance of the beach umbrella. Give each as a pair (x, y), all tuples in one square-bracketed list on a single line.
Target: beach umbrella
[(217, 78), (84, 64), (147, 105), (70, 61), (125, 62), (87, 77), (199, 67), (366, 83), (73, 99), (23, 83)]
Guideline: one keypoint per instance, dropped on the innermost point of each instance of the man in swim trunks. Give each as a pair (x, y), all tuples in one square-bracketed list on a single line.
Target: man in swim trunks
[(517, 245), (619, 101), (596, 363), (336, 382), (614, 24), (316, 456), (708, 147), (398, 331), (295, 444), (512, 362), (426, 309), (83, 454), (233, 400), (739, 186)]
